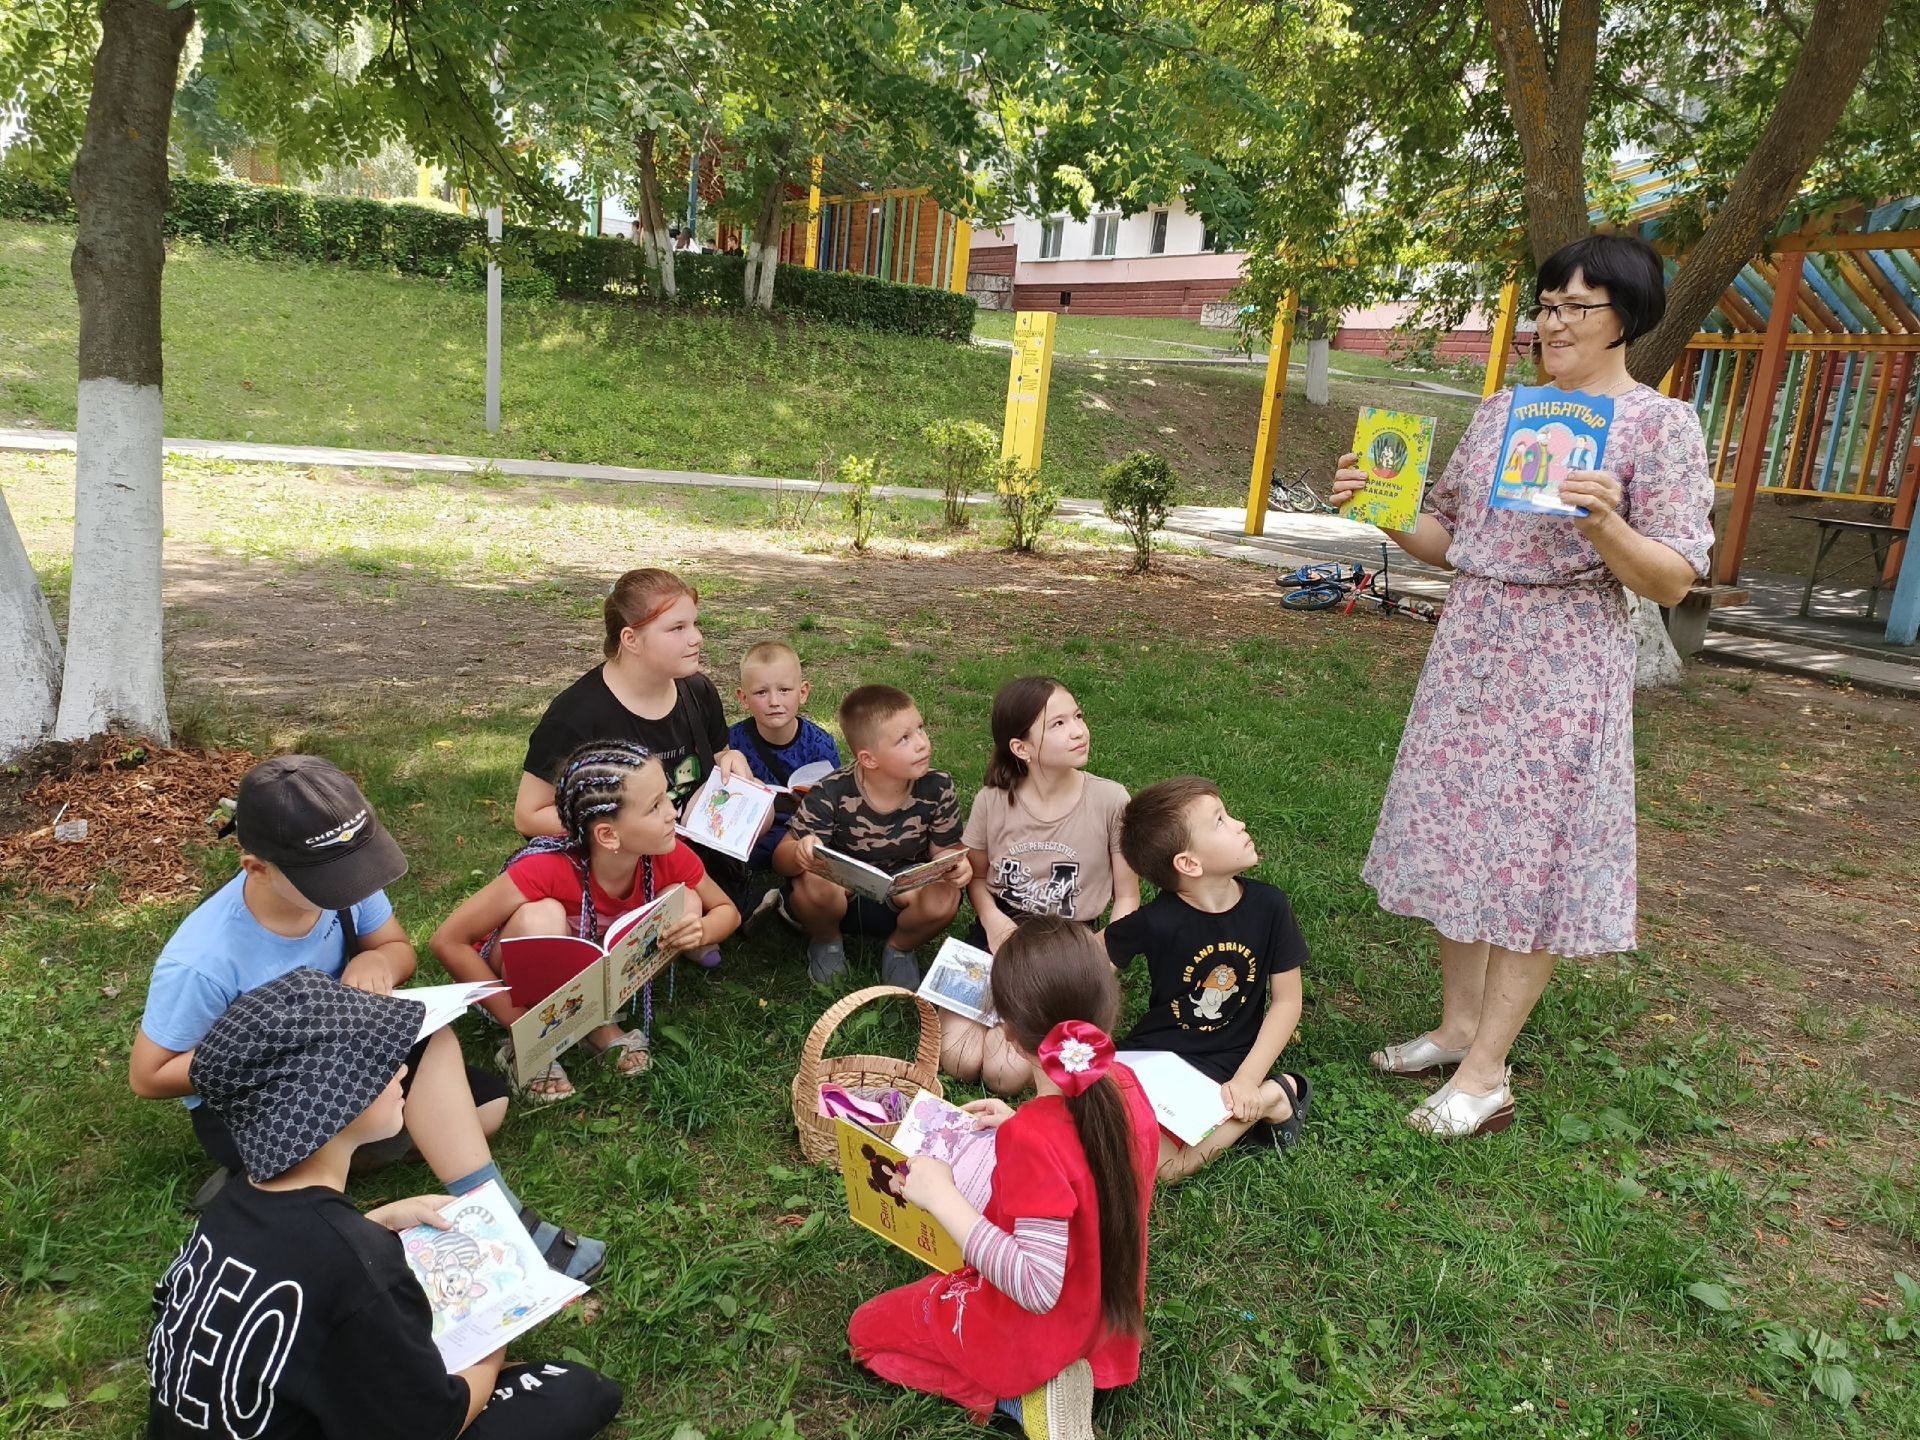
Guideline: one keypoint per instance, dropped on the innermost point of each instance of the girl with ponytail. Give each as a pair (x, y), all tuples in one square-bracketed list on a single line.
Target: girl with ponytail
[(616, 852), (1050, 1304)]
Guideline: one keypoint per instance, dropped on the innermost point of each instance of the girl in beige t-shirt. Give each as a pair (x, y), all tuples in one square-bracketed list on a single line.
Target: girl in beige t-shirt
[(1044, 839)]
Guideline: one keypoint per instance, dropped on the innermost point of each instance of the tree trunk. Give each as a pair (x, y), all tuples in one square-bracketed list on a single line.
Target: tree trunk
[(1550, 97), (654, 239), (763, 245), (114, 673), (1319, 362), (1840, 39), (29, 648)]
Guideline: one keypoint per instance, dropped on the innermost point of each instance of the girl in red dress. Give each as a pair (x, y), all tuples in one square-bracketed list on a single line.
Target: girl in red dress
[(1049, 1305)]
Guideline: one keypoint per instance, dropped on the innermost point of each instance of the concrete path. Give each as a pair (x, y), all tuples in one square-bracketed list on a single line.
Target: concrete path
[(1289, 542)]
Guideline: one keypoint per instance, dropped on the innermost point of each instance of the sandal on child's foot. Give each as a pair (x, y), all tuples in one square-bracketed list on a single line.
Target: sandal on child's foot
[(578, 1257), (550, 1085), (1300, 1095), (1062, 1409), (1416, 1058), (632, 1046)]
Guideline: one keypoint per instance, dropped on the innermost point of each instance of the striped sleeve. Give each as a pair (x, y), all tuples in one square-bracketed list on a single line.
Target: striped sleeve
[(1028, 1267)]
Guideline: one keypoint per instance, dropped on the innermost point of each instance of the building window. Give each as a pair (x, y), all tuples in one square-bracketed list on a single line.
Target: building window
[(1051, 232), (1106, 234), (1066, 299), (1209, 240), (1158, 244)]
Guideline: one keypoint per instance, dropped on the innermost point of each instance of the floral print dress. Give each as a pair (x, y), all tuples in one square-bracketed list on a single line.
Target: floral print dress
[(1510, 814)]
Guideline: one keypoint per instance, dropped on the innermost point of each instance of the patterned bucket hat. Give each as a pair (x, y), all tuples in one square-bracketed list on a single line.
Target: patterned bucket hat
[(291, 1064)]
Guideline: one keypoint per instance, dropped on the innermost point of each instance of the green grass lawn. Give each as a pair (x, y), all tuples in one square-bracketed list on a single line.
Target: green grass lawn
[(280, 351), (1684, 1237)]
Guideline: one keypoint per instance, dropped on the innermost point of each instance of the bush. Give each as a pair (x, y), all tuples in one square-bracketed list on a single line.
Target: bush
[(1139, 491), (1028, 499), (961, 450), (859, 475), (417, 240)]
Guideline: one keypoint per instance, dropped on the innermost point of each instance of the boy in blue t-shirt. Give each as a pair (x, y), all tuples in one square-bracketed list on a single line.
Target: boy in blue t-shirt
[(775, 737), (311, 895)]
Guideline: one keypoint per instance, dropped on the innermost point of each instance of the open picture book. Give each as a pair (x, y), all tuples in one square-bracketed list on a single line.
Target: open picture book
[(931, 1127), (569, 986), (486, 1283), (1186, 1102), (447, 1003), (727, 813), (875, 883), (960, 980)]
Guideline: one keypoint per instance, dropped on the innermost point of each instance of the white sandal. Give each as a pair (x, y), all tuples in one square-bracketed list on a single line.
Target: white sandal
[(1450, 1114), (636, 1056), (548, 1087), (1416, 1058)]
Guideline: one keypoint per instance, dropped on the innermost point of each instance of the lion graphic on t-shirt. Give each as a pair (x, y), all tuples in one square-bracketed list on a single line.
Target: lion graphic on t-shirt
[(1220, 986)]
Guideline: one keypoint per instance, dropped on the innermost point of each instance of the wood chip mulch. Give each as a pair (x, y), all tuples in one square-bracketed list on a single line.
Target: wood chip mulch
[(145, 805)]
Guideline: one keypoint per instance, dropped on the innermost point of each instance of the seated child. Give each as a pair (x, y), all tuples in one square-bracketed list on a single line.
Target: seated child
[(619, 851), (290, 1314), (1043, 838), (1055, 1284), (1223, 963), (890, 810), (776, 739), (310, 895)]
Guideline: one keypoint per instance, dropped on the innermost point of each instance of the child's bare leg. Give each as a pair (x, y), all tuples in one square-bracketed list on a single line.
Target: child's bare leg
[(1185, 1160), (1003, 1069), (962, 1046), (440, 1113), (819, 905), (536, 918), (927, 912)]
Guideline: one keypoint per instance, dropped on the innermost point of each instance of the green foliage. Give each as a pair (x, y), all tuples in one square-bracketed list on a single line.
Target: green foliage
[(1028, 497), (263, 220), (1138, 492), (859, 474), (961, 450)]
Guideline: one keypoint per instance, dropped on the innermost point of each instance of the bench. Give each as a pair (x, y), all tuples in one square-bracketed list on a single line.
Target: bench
[(1687, 621), (1881, 538)]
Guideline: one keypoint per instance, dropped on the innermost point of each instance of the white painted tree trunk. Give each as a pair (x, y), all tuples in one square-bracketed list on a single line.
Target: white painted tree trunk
[(769, 264), (1655, 662), (660, 246), (114, 674), (29, 648), (1318, 361)]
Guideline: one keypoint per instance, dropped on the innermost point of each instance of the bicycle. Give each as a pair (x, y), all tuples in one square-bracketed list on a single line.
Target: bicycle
[(1298, 497), (1322, 586)]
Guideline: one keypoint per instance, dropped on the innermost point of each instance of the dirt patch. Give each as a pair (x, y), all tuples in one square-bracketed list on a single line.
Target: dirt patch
[(112, 805)]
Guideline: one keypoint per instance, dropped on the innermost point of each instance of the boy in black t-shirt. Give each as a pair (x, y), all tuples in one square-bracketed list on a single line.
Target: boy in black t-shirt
[(1223, 964), (288, 1314), (891, 810)]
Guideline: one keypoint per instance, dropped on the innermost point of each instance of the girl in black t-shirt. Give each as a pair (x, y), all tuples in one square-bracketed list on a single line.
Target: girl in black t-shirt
[(650, 691)]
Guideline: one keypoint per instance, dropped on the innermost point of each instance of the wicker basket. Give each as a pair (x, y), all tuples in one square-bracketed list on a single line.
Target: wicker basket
[(818, 1136)]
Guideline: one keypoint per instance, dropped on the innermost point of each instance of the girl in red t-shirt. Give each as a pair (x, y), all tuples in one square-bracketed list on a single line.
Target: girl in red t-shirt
[(619, 850), (1050, 1303)]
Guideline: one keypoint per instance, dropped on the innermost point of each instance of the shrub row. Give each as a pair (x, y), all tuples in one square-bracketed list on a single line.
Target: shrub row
[(415, 240)]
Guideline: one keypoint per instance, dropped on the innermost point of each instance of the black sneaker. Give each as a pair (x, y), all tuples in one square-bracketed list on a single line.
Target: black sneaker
[(210, 1187)]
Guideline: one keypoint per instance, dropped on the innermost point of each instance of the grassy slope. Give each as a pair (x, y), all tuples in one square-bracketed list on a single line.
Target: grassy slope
[(1369, 1285), (279, 351)]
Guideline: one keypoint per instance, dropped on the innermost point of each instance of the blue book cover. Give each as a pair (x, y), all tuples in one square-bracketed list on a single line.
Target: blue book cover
[(1550, 433)]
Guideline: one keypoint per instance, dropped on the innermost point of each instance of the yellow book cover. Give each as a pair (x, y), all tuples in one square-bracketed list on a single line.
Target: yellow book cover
[(1394, 449), (867, 1164)]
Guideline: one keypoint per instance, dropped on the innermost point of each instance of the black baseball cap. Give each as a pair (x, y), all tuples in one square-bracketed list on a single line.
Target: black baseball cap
[(303, 814), (292, 1063)]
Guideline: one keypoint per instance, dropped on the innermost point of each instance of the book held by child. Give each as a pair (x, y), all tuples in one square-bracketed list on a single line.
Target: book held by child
[(726, 814), (868, 1165), (1185, 1101), (960, 980), (1551, 433), (1395, 449), (570, 985), (447, 1003), (485, 1281), (875, 883)]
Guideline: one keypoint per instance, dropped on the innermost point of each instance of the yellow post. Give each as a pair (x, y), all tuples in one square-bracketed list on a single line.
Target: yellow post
[(1273, 402), (1670, 382), (813, 214), (1025, 429), (1502, 348), (423, 182), (962, 252)]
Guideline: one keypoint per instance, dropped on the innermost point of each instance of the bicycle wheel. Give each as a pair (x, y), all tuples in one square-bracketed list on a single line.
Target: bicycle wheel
[(1325, 574), (1312, 597)]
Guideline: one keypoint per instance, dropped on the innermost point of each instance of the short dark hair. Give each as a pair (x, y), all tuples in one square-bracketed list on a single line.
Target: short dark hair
[(1154, 829), (1625, 266), (866, 708)]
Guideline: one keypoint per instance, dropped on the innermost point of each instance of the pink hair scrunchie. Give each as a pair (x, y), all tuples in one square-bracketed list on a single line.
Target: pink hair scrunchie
[(1075, 1055)]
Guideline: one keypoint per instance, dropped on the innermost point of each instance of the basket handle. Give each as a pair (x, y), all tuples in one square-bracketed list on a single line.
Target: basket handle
[(926, 1053)]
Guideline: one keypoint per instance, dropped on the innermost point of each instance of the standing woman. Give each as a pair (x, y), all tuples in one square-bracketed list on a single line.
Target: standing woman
[(650, 691), (1509, 822)]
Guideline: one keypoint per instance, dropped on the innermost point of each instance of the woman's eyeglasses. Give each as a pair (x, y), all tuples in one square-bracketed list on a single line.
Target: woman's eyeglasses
[(1567, 312)]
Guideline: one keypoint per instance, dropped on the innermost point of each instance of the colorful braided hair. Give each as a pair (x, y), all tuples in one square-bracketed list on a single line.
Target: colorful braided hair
[(587, 788)]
